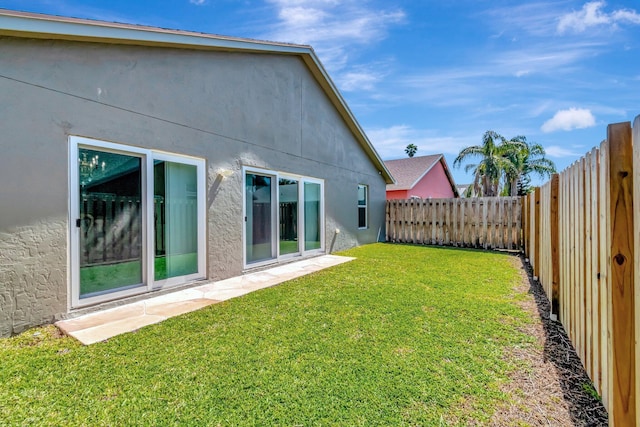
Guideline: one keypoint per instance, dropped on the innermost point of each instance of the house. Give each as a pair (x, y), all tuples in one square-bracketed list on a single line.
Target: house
[(421, 177), (138, 159), (462, 189)]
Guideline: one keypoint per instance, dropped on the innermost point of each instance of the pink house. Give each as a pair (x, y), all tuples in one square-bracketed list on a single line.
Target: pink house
[(423, 177)]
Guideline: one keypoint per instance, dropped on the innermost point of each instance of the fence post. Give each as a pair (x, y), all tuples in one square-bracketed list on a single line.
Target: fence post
[(635, 139), (525, 225), (555, 249), (622, 274)]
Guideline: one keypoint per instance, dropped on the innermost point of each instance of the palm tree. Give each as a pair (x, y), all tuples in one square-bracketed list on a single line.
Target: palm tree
[(411, 150), (508, 161), (488, 171), (524, 159)]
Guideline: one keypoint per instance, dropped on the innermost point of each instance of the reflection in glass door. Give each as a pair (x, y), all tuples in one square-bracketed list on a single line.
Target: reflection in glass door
[(312, 216), (110, 221), (288, 192), (130, 204), (259, 215), (175, 219)]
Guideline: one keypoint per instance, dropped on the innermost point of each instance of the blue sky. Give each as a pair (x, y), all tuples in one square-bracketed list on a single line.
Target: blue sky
[(437, 73)]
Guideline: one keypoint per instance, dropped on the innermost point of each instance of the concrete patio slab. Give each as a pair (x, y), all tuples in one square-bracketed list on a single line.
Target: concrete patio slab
[(95, 327)]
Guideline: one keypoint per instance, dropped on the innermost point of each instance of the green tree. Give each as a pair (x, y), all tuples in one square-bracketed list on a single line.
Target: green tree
[(524, 159), (504, 166), (411, 150), (488, 171)]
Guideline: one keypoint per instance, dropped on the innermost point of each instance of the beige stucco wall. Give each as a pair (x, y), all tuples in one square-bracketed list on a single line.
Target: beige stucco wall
[(233, 109)]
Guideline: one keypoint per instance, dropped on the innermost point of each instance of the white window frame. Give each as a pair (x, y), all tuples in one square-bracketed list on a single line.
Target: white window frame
[(274, 214), (147, 157), (321, 249), (276, 175), (365, 207), (202, 217), (300, 217)]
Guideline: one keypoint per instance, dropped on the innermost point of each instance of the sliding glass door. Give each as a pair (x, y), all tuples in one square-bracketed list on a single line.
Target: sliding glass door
[(284, 216), (312, 216), (111, 232), (138, 219), (175, 219), (259, 217), (288, 190)]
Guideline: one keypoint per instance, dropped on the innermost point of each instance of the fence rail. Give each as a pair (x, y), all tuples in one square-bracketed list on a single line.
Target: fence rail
[(582, 237), (484, 222)]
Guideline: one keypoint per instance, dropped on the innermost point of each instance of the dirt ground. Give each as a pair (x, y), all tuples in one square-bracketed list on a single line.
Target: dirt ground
[(552, 389)]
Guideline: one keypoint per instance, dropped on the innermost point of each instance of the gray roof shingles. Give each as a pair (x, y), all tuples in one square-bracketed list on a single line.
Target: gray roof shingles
[(408, 171)]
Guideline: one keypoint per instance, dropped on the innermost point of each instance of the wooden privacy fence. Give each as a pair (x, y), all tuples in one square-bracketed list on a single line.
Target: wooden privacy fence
[(481, 222), (582, 231)]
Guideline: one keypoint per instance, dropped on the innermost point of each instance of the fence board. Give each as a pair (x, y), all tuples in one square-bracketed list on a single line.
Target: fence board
[(591, 281), (595, 300), (580, 253), (603, 249), (588, 360), (622, 275), (636, 232), (475, 222)]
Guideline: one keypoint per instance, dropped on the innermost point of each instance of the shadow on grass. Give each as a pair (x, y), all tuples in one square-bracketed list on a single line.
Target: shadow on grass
[(584, 407), (456, 248)]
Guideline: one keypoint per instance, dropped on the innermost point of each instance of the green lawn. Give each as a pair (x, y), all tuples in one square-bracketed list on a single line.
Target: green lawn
[(103, 277), (404, 335)]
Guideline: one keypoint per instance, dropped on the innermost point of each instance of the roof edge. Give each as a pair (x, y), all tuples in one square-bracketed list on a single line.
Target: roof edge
[(37, 25), (440, 157), (447, 171)]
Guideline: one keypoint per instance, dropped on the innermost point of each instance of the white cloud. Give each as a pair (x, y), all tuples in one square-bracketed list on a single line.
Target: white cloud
[(334, 28), (560, 152), (593, 15), (573, 118), (536, 18), (626, 15), (363, 77), (358, 80), (390, 142), (198, 2)]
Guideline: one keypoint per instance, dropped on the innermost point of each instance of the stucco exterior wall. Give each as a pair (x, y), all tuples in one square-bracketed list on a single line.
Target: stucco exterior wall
[(232, 109)]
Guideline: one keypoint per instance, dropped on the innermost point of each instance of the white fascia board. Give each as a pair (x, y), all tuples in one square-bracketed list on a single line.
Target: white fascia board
[(44, 26)]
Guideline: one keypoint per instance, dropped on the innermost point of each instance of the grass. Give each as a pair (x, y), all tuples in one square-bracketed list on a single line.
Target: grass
[(404, 335), (97, 278)]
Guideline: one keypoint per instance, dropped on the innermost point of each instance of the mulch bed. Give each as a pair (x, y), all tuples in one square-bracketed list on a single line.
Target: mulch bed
[(552, 387)]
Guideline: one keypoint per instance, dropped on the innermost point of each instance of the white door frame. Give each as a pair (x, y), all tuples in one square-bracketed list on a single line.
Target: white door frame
[(275, 211), (147, 199)]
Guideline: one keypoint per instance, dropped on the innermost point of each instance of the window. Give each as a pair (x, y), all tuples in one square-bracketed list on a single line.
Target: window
[(138, 220), (363, 195), (283, 216)]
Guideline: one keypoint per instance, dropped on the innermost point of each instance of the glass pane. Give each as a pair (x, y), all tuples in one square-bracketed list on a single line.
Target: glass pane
[(258, 220), (175, 219), (362, 195), (110, 221), (288, 190), (312, 216), (362, 217)]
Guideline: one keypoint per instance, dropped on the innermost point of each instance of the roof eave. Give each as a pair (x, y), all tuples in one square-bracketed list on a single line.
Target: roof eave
[(447, 171), (25, 24)]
